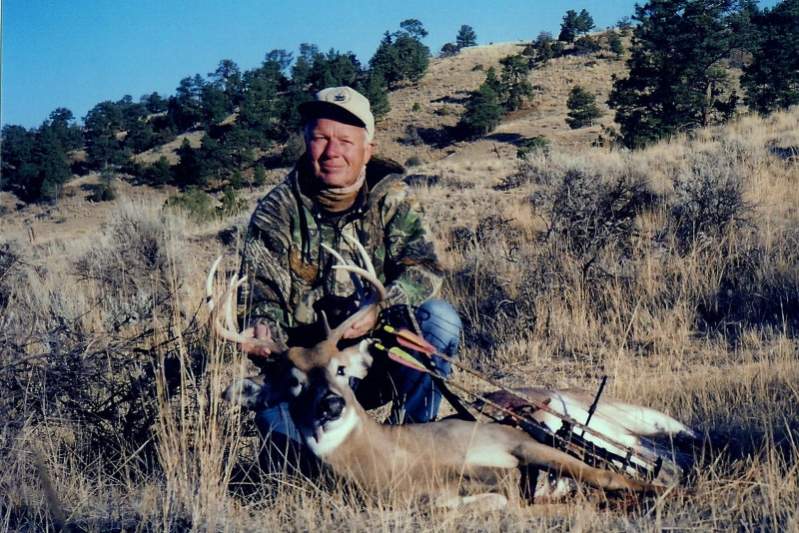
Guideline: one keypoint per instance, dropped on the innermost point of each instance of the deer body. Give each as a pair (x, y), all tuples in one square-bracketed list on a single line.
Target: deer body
[(435, 460)]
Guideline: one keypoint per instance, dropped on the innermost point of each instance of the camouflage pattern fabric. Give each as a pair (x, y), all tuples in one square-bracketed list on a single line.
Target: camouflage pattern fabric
[(290, 279)]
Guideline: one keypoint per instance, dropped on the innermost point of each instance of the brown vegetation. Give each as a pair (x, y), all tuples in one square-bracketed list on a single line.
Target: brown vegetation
[(674, 270)]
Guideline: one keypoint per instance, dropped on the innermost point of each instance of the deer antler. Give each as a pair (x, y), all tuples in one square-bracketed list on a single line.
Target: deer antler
[(369, 274), (228, 331)]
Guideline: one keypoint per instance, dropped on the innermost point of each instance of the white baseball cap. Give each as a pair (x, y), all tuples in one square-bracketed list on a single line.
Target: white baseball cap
[(334, 100)]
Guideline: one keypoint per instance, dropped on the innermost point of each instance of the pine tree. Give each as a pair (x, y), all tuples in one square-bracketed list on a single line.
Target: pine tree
[(50, 159), (102, 124), (159, 173), (673, 82), (466, 37), (584, 23), (377, 93), (402, 56), (771, 81), (515, 87), (582, 108), (568, 28), (191, 169), (615, 44), (449, 50), (482, 114)]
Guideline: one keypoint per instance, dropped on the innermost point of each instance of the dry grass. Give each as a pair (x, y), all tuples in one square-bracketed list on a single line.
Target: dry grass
[(109, 377)]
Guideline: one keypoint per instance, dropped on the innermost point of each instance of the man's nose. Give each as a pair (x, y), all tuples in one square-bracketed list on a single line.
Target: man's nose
[(333, 148)]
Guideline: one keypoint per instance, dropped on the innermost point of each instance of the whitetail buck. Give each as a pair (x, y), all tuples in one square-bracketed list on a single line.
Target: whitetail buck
[(434, 460)]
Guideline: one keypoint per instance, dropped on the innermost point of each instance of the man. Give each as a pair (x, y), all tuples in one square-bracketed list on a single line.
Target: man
[(336, 190)]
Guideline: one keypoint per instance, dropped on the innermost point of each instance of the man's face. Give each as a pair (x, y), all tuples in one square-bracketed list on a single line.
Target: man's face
[(338, 151)]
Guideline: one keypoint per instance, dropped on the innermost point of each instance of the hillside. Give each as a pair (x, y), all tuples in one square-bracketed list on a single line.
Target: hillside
[(674, 270), (439, 95)]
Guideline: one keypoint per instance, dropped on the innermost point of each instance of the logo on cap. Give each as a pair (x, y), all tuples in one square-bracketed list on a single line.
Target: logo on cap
[(341, 97)]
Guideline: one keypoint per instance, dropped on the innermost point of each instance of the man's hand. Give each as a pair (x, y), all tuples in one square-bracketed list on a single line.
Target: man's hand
[(260, 332), (362, 326)]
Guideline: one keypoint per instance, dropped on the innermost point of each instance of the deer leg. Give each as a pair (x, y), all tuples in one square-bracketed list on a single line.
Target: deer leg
[(489, 501), (531, 452)]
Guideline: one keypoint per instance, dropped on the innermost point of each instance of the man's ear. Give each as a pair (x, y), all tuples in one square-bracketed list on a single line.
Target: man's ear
[(369, 149)]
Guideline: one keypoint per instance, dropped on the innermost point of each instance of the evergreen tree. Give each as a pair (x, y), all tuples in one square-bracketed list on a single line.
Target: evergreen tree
[(673, 81), (615, 44), (191, 168), (215, 104), (582, 108), (227, 78), (18, 168), (103, 124), (140, 137), (159, 173), (448, 50), (263, 104), (414, 28), (186, 108), (153, 103), (771, 81), (483, 112), (402, 56), (568, 28), (377, 93), (584, 23), (515, 87), (52, 169), (62, 123), (466, 37)]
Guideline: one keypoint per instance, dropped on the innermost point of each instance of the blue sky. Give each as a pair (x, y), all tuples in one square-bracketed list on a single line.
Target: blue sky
[(76, 53)]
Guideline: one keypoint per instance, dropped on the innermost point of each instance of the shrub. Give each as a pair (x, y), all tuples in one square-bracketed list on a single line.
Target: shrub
[(259, 176), (413, 161), (159, 173), (709, 200), (539, 143), (104, 192), (230, 203), (586, 45), (195, 203), (588, 214)]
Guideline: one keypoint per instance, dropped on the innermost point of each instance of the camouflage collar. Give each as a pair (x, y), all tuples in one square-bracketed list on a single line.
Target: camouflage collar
[(380, 173)]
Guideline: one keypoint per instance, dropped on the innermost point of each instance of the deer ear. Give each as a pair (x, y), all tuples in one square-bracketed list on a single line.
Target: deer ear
[(245, 392), (366, 355)]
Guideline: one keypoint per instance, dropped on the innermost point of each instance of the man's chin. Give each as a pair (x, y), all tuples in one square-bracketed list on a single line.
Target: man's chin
[(337, 179)]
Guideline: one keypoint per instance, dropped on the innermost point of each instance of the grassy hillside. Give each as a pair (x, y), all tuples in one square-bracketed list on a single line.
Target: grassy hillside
[(673, 270)]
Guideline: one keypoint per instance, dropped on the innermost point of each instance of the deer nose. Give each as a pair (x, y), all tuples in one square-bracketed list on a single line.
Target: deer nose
[(331, 406)]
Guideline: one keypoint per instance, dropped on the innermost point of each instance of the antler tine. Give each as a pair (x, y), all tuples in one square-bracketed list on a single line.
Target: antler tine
[(368, 276), (235, 283), (326, 324), (339, 258), (367, 261), (209, 284), (228, 331)]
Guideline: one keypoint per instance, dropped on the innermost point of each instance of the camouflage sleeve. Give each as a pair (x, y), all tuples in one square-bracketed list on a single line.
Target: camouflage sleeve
[(412, 269), (263, 298)]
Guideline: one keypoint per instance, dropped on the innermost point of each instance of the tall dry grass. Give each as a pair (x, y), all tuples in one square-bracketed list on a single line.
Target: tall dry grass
[(674, 270)]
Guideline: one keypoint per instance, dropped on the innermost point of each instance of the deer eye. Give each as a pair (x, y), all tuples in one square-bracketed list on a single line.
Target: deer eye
[(340, 370)]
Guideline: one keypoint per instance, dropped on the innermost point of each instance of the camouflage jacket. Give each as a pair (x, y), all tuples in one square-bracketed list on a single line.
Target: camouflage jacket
[(290, 275)]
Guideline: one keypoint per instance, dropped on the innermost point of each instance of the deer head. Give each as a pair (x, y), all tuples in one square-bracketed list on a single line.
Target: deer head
[(294, 363)]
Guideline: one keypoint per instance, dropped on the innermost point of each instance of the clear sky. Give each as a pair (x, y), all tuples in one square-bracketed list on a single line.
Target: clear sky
[(76, 53)]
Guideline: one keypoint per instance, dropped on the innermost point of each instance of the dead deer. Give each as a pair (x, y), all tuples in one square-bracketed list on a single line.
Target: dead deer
[(432, 460)]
